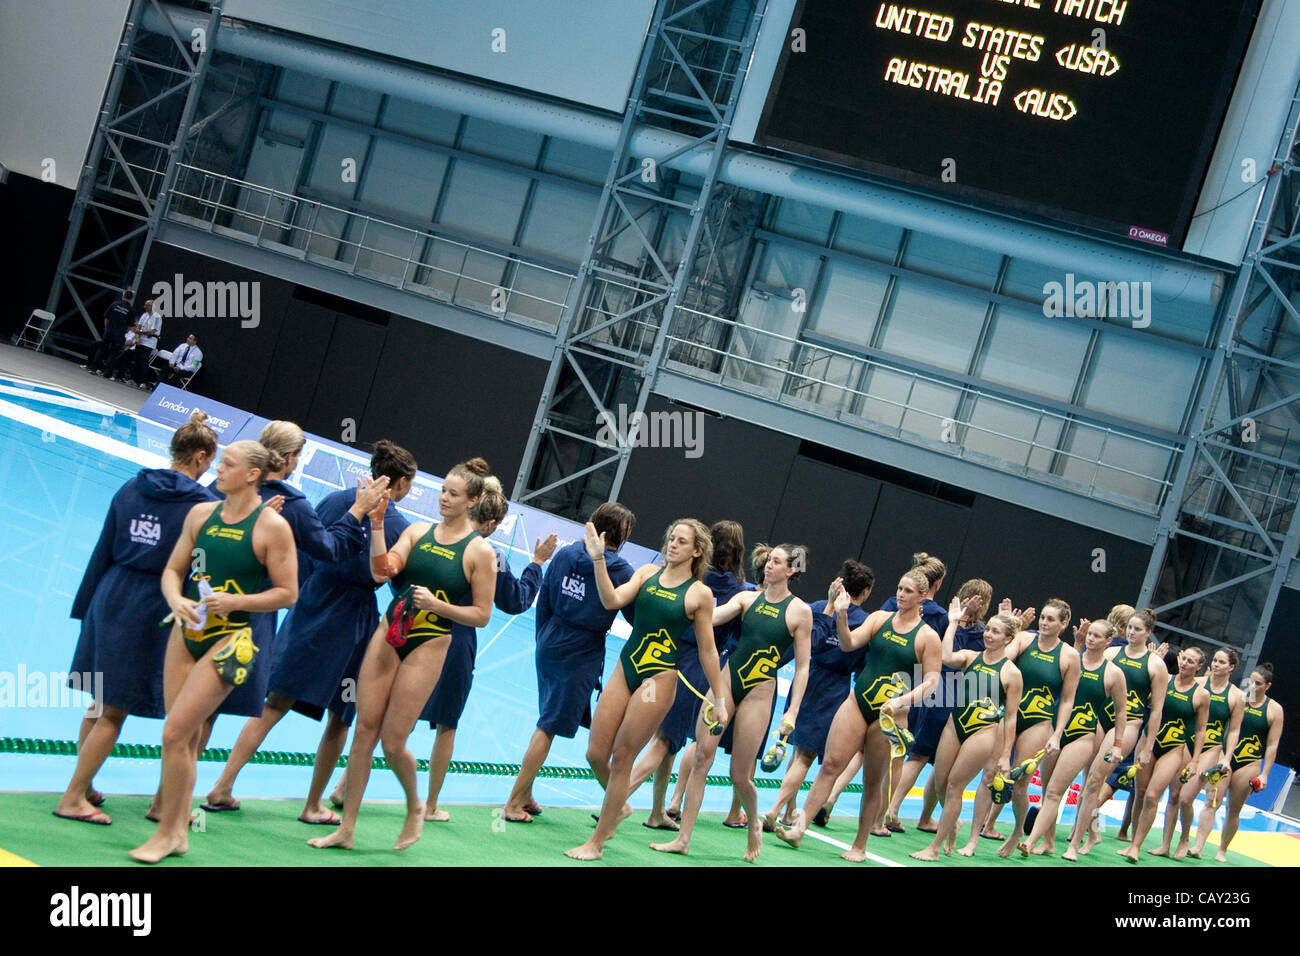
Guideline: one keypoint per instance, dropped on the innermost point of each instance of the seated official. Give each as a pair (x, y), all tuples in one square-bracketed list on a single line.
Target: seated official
[(184, 360)]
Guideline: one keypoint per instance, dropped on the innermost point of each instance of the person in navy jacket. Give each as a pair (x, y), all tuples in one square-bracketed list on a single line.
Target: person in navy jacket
[(447, 702), (571, 627), (313, 647), (120, 604)]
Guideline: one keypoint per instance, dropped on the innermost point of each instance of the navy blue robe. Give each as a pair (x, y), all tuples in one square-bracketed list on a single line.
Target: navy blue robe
[(120, 601)]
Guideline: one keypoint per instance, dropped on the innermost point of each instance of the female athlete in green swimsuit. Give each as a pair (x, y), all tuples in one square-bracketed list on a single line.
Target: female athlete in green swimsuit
[(1182, 727), (899, 641), (772, 620), (1253, 757), (234, 545), (1050, 669), (668, 599), (1222, 731), (1101, 690), (975, 736), (442, 563)]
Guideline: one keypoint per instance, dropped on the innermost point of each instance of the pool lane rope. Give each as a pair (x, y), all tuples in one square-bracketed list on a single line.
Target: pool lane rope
[(68, 748)]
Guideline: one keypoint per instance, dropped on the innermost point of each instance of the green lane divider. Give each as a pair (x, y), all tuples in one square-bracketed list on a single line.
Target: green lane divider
[(68, 748)]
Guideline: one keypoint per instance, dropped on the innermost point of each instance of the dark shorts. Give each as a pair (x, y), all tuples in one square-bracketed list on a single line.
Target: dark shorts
[(564, 686)]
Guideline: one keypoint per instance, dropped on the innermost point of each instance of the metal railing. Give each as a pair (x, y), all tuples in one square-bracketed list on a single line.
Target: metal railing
[(964, 421), (414, 260)]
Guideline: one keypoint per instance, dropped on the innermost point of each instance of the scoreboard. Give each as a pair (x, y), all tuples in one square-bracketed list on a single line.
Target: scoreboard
[(1094, 113)]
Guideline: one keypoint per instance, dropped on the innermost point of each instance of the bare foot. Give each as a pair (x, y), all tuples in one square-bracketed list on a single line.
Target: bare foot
[(1070, 855), (338, 796), (949, 843), (1043, 849), (1023, 848), (1221, 856), (1093, 839), (159, 848), (676, 846), (588, 851), (339, 838), (1008, 847), (1123, 837), (434, 815), (412, 828), (516, 815), (1129, 853), (854, 855), (928, 855), (793, 835), (1159, 851), (967, 850), (1183, 849), (1194, 853), (755, 845)]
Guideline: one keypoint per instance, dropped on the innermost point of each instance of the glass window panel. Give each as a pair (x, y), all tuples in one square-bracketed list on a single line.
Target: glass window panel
[(560, 220), (302, 89), (1033, 354), (421, 120), (577, 161), (482, 273), (281, 123), (802, 221), (787, 268), (484, 202), (353, 103), (1140, 380), (887, 395), (928, 408), (848, 303), (385, 249), (444, 261), (952, 260), (538, 294), (501, 142), (867, 238), (403, 180), (933, 325), (336, 145)]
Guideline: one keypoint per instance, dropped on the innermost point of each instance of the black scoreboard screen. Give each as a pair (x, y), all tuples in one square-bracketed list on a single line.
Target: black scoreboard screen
[(1097, 113)]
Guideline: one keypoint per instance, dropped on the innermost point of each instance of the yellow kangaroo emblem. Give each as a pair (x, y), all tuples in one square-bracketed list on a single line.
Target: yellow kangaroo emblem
[(426, 621), (761, 666), (880, 690), (653, 650), (970, 719), (1135, 705), (1082, 720), (1249, 749), (1172, 732), (1037, 702), (216, 626)]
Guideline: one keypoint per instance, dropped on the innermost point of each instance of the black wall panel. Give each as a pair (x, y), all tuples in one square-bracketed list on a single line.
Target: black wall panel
[(447, 398), (36, 216), (904, 523), (826, 508), (346, 376), (740, 475), (1282, 650), (236, 360), (1031, 557), (296, 363)]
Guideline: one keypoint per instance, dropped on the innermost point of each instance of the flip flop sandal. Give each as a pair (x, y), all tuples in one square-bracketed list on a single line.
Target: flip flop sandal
[(332, 820), (93, 817)]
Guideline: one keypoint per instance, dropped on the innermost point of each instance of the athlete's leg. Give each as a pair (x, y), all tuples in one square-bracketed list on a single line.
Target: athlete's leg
[(644, 711), (444, 744), (1163, 773), (374, 685), (1237, 793), (1028, 743), (332, 739), (706, 749), (845, 738), (92, 751), (416, 678), (250, 738), (521, 794)]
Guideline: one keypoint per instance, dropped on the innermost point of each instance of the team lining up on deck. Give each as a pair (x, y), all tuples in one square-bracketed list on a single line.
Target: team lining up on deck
[(994, 701)]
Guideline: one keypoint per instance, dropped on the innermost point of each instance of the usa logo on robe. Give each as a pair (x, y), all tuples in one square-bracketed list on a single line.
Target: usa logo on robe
[(146, 530)]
